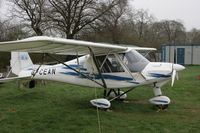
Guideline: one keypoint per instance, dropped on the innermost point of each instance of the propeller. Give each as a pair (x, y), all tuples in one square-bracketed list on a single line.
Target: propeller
[(177, 77), (173, 77), (175, 69)]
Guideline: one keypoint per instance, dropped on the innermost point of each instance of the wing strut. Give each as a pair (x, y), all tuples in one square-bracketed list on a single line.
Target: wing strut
[(74, 69), (40, 65), (104, 60), (99, 71)]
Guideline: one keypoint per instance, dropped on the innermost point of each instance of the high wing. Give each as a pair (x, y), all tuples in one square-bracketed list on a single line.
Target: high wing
[(143, 48), (44, 44)]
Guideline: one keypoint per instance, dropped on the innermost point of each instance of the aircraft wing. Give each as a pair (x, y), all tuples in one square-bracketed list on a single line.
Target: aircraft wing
[(43, 44), (143, 48)]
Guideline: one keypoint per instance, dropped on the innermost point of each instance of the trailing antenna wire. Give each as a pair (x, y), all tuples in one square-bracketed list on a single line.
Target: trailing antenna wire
[(95, 93)]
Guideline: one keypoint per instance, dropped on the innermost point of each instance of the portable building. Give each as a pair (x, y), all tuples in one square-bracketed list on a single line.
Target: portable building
[(188, 54)]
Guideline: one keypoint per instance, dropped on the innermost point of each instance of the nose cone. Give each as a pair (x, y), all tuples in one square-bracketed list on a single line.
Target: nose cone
[(178, 67)]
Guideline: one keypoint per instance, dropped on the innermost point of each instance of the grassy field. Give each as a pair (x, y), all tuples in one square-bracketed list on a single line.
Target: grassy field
[(63, 108)]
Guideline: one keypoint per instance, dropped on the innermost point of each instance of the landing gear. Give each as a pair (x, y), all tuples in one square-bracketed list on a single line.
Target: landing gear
[(162, 107), (157, 91), (32, 84), (117, 94), (104, 103), (161, 102)]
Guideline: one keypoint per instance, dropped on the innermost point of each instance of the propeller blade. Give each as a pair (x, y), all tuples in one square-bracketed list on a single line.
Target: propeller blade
[(177, 77), (173, 77)]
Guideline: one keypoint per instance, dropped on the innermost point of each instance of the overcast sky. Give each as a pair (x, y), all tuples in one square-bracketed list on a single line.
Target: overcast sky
[(185, 10), (3, 8)]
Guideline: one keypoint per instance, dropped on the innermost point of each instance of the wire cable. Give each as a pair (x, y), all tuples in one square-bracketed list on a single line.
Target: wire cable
[(97, 109), (95, 93)]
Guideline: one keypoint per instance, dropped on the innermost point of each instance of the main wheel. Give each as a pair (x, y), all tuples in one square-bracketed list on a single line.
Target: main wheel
[(162, 107), (115, 94), (32, 84)]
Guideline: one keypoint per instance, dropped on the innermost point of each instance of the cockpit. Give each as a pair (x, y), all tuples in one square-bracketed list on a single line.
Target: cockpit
[(131, 60)]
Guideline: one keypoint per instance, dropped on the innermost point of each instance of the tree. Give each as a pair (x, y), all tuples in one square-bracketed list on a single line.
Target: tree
[(9, 31), (111, 21), (173, 30), (2, 30), (193, 36), (142, 21), (71, 16), (31, 12)]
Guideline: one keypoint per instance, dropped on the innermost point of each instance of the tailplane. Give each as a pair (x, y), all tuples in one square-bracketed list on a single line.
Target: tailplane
[(19, 61)]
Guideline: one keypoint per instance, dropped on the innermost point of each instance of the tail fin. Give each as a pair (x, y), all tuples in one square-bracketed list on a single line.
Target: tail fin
[(19, 61)]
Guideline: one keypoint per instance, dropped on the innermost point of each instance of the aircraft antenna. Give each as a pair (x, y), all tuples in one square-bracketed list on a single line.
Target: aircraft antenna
[(97, 109)]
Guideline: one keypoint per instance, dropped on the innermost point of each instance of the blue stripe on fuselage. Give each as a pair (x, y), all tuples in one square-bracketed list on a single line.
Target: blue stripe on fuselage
[(158, 75), (105, 76), (76, 67)]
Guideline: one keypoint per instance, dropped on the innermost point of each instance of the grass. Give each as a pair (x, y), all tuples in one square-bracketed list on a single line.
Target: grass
[(63, 108)]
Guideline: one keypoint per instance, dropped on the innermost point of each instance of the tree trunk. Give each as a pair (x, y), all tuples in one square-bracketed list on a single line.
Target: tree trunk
[(70, 36), (38, 31)]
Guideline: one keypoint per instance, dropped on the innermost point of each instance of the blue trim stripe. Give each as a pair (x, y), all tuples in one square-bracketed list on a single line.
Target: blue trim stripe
[(105, 76), (76, 67), (70, 73), (115, 77), (134, 82), (158, 75), (160, 101), (98, 103)]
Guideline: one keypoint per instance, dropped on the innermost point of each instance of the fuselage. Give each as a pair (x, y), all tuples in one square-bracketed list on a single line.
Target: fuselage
[(151, 72)]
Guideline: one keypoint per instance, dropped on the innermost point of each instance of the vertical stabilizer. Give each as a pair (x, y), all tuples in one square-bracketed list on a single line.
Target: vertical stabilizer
[(19, 61)]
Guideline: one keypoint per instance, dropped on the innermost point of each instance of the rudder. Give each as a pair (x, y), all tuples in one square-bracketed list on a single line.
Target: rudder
[(19, 61)]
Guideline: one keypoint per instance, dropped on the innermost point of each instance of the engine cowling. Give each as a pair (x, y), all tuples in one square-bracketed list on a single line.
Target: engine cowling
[(101, 103), (160, 100)]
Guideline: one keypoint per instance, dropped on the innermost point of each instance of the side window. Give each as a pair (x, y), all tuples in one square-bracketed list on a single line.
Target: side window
[(109, 64)]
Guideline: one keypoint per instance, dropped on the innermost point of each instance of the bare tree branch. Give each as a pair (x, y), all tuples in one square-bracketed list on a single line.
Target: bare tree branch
[(71, 16), (31, 11)]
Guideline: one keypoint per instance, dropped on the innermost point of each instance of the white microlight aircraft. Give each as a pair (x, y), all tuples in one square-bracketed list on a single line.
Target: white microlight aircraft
[(110, 67)]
